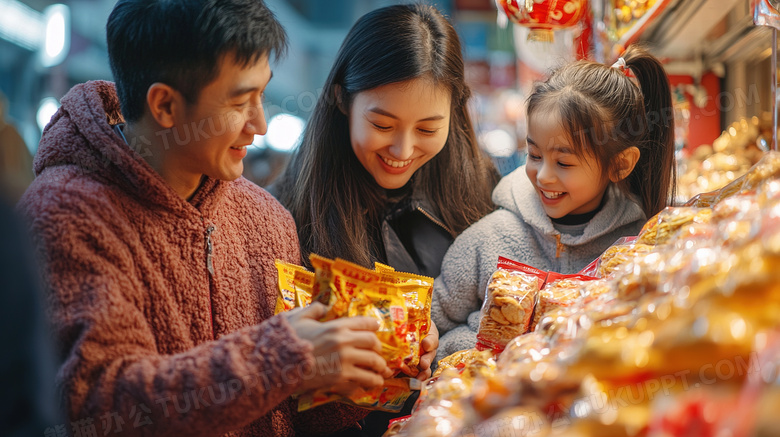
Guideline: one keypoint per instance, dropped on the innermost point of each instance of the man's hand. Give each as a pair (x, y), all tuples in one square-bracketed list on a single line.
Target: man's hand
[(346, 350)]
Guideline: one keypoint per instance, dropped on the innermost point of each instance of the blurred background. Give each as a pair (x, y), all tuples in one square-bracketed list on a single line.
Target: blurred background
[(46, 48), (718, 62)]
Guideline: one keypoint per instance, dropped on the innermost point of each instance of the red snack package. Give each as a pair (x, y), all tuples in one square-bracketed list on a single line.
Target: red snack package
[(509, 303)]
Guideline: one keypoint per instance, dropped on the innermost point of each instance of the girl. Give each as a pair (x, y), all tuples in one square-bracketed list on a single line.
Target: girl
[(389, 169), (600, 161)]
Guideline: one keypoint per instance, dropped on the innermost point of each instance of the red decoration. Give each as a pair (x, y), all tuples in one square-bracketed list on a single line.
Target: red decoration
[(544, 16)]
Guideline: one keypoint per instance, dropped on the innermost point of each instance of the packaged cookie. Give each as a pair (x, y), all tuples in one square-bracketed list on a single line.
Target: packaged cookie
[(735, 207), (660, 229), (559, 291), (466, 360), (768, 193), (618, 255), (509, 303), (767, 169), (599, 289)]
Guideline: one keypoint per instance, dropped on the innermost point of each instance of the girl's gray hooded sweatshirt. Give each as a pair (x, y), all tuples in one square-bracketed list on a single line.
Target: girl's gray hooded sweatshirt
[(520, 230)]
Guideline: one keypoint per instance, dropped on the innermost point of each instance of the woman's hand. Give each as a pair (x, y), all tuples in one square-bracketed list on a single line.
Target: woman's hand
[(346, 350), (428, 347)]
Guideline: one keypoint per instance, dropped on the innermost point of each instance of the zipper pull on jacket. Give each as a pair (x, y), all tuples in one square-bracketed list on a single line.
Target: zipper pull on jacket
[(210, 249), (559, 247)]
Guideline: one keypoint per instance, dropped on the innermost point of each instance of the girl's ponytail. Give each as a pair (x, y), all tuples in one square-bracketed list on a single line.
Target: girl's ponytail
[(654, 177)]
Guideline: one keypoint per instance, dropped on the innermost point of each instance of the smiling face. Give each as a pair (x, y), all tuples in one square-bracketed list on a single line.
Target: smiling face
[(396, 128), (223, 122), (566, 184)]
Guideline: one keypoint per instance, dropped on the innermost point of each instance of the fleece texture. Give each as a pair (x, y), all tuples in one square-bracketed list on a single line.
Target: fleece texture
[(151, 342), (522, 231)]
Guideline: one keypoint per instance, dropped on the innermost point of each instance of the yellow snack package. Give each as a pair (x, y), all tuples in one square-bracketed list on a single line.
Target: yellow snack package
[(417, 291), (357, 291), (389, 397), (361, 293), (285, 301), (383, 268), (323, 275), (347, 280), (386, 306), (295, 286), (304, 285)]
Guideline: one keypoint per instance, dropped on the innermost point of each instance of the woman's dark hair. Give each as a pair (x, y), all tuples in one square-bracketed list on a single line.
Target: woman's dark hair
[(605, 112), (336, 203), (179, 43)]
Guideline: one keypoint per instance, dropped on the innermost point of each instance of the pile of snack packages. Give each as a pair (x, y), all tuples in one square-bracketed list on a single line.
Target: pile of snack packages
[(670, 333), (710, 167), (400, 302)]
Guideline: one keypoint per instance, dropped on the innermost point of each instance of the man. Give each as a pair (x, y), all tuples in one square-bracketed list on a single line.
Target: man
[(160, 257)]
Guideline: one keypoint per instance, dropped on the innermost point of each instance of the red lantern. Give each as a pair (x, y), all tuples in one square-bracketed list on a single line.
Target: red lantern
[(544, 16)]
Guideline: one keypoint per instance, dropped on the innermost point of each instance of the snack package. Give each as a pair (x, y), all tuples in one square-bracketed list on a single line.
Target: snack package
[(417, 291), (619, 254), (356, 291), (768, 193), (599, 289), (509, 303), (521, 351), (466, 360), (563, 324), (360, 292), (559, 291), (515, 421), (616, 255), (456, 375), (285, 301), (661, 227), (446, 416), (391, 396), (304, 284), (767, 169), (323, 275), (386, 306), (534, 370), (383, 268), (295, 286), (395, 427)]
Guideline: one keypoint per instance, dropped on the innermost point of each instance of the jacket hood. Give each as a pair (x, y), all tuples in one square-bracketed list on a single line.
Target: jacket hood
[(81, 134), (516, 194)]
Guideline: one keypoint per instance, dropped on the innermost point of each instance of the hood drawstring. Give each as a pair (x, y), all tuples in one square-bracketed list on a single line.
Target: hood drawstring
[(559, 247)]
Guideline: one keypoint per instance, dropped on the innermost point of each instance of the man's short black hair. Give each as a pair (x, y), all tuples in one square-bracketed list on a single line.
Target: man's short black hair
[(179, 43)]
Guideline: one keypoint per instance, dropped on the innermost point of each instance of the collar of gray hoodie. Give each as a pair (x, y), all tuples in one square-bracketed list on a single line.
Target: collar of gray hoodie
[(515, 193)]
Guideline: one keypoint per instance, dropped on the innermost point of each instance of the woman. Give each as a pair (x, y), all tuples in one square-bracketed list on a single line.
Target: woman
[(389, 169)]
